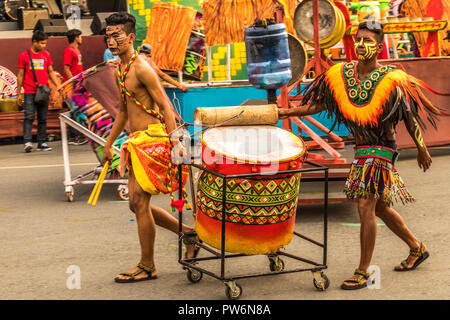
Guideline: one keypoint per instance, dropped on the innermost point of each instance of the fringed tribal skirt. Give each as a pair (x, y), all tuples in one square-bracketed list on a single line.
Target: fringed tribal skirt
[(377, 176)]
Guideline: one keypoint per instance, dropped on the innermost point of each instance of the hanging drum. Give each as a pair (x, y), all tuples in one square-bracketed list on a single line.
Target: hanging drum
[(259, 211), (299, 58), (331, 23)]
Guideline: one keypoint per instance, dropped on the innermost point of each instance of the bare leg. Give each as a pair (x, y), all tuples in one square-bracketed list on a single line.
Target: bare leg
[(366, 209), (147, 216), (166, 220), (397, 225), (139, 204), (368, 232)]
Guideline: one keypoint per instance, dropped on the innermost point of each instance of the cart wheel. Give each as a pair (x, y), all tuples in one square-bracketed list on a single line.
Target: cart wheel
[(123, 192), (321, 284), (194, 276), (69, 196), (276, 263), (233, 290)]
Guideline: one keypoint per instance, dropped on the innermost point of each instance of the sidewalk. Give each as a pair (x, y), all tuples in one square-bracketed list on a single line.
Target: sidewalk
[(43, 235)]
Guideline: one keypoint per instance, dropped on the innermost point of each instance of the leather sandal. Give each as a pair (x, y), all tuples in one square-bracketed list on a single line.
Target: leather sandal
[(361, 275), (132, 275), (190, 238), (421, 254)]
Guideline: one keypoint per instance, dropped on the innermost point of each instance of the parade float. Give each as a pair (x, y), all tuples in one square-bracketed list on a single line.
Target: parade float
[(201, 44)]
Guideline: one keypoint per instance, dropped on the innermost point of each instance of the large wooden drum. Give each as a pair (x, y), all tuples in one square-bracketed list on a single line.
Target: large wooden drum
[(259, 211)]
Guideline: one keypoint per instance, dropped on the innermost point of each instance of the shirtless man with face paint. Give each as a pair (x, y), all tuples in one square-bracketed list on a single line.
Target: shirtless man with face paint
[(370, 99), (140, 87)]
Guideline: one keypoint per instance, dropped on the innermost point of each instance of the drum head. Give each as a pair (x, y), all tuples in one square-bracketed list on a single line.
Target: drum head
[(304, 22), (298, 56), (254, 144)]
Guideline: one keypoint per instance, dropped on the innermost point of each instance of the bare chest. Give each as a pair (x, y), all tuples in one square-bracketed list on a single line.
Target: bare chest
[(134, 92)]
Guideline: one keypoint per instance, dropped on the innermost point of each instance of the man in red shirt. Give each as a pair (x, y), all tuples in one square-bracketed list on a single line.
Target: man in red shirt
[(72, 66), (43, 68), (72, 60)]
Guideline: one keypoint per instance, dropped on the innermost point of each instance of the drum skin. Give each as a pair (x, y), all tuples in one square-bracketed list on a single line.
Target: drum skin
[(259, 211)]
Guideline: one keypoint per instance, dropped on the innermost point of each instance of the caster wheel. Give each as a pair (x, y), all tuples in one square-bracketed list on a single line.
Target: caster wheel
[(123, 193), (321, 284), (69, 196), (275, 263), (233, 291), (194, 276)]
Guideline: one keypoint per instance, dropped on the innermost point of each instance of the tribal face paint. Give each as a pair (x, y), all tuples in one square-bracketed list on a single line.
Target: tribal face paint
[(370, 50), (116, 39)]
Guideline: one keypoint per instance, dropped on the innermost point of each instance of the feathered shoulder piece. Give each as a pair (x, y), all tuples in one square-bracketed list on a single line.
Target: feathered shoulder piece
[(387, 94)]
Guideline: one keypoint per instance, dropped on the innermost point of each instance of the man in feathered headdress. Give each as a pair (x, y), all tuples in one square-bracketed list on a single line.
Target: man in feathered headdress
[(370, 99)]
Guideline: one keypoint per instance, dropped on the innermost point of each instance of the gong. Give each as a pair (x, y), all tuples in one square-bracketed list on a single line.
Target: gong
[(331, 23), (11, 7), (299, 58)]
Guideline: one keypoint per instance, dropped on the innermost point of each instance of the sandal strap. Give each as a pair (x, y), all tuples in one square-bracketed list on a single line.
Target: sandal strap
[(190, 237), (417, 253), (404, 263), (355, 280), (132, 275), (362, 273), (144, 268)]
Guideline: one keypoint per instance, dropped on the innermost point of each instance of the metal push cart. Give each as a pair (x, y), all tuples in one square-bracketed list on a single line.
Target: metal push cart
[(69, 183), (277, 266)]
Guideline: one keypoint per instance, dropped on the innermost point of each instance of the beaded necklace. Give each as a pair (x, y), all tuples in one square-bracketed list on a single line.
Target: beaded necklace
[(124, 91)]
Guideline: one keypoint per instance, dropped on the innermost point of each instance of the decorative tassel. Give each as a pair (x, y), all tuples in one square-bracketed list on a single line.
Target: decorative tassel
[(178, 205)]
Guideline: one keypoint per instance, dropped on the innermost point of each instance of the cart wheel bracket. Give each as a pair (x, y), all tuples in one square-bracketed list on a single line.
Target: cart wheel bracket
[(321, 281), (275, 262), (233, 290)]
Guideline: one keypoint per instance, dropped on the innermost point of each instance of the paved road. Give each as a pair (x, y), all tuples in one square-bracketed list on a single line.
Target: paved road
[(43, 237)]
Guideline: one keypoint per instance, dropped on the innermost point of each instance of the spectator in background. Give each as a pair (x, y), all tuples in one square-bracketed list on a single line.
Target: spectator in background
[(43, 66), (109, 56), (72, 58), (72, 66), (146, 51)]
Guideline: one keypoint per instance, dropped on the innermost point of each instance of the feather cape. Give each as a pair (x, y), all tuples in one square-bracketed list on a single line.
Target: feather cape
[(387, 95)]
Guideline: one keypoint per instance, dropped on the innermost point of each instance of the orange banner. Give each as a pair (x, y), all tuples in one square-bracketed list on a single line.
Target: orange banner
[(225, 20), (168, 34), (401, 27)]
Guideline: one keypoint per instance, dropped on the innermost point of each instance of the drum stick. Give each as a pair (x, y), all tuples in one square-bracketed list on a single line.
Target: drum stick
[(93, 191), (98, 186), (100, 183)]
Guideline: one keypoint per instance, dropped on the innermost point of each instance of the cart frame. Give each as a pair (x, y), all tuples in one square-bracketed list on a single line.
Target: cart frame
[(69, 183), (233, 290)]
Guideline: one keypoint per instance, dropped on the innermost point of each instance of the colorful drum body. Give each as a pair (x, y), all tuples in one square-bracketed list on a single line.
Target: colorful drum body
[(259, 211)]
